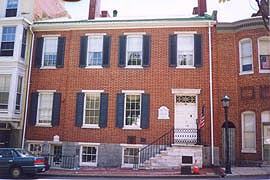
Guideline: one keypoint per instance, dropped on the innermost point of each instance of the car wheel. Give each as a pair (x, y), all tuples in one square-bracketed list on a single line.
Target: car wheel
[(16, 172)]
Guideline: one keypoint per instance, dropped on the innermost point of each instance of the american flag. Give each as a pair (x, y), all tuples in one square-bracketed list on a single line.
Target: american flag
[(202, 118)]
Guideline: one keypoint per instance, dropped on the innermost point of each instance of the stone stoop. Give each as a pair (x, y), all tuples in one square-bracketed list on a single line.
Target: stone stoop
[(175, 157)]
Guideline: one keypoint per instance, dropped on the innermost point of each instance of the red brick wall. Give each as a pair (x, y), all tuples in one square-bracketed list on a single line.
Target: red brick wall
[(157, 80), (231, 83)]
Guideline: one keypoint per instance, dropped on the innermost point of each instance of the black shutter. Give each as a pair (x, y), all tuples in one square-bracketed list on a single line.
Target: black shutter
[(33, 110), (106, 51), (198, 50), (83, 51), (172, 50), (79, 109), (122, 51), (60, 52), (56, 109), (24, 37), (145, 111), (38, 55), (120, 107), (103, 113), (146, 50)]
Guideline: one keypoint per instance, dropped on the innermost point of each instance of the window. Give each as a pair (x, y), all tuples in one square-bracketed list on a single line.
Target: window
[(130, 156), (8, 41), (95, 51), (11, 10), (95, 48), (50, 51), (133, 110), (185, 53), (19, 94), (134, 50), (185, 50), (246, 56), (248, 132), (45, 108), (4, 91), (92, 109), (35, 148), (264, 54), (88, 155)]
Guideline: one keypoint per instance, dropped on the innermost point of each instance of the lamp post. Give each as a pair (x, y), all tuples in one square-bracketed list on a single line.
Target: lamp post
[(226, 103)]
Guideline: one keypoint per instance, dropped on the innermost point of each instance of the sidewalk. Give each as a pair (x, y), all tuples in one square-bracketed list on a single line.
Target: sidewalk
[(128, 172)]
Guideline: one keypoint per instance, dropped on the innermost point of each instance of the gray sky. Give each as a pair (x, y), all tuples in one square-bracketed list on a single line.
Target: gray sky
[(232, 10)]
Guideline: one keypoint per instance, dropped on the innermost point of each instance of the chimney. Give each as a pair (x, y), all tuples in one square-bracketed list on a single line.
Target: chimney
[(201, 9), (94, 9)]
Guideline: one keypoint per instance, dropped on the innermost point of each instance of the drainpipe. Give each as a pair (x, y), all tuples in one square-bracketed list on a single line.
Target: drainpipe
[(211, 92), (28, 85)]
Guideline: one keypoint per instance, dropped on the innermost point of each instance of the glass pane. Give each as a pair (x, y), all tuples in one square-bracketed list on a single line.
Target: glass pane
[(134, 44), (12, 4), (264, 46)]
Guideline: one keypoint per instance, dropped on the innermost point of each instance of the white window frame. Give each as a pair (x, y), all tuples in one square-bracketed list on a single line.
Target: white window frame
[(19, 93), (258, 42), (49, 37), (124, 146), (244, 149), (38, 144), (13, 37), (9, 91), (44, 92), (129, 36), (97, 36), (90, 92), (95, 145), (178, 53), (137, 126), (6, 7), (245, 40)]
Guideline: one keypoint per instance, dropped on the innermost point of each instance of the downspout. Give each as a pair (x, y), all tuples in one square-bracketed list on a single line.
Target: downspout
[(28, 85), (211, 92)]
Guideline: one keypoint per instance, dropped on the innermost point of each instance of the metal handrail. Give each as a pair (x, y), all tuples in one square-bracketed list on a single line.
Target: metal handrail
[(154, 148)]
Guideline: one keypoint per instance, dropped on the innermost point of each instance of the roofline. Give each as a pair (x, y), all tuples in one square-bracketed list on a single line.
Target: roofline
[(245, 24), (110, 23)]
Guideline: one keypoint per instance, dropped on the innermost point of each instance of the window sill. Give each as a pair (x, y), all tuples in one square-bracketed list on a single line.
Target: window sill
[(48, 67), (185, 67), (93, 67), (248, 151), (43, 125), (132, 128), (88, 164), (93, 126), (246, 73), (133, 67), (264, 71)]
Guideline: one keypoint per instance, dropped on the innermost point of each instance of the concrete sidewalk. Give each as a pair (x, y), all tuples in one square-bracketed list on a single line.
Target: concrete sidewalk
[(128, 172)]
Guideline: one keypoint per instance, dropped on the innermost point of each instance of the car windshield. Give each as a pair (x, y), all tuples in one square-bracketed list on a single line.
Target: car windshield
[(24, 153)]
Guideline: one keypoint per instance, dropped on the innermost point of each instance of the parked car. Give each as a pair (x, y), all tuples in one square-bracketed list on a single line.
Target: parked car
[(17, 162)]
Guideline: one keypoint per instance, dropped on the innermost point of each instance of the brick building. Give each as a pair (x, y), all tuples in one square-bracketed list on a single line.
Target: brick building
[(110, 92)]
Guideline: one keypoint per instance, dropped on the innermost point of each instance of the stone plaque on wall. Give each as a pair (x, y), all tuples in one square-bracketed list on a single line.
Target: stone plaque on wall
[(163, 113)]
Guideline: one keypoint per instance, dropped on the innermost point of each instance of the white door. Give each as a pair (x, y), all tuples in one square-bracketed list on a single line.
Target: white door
[(185, 119)]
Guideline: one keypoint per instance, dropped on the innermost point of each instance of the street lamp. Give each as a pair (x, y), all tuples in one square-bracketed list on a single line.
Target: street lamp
[(226, 103)]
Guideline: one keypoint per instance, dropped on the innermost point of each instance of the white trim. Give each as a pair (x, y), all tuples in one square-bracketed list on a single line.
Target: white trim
[(92, 91), (138, 146), (185, 67), (186, 91), (88, 144), (249, 40), (95, 145), (246, 72), (51, 35), (133, 91), (46, 91), (134, 34), (90, 126), (95, 34), (185, 32)]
